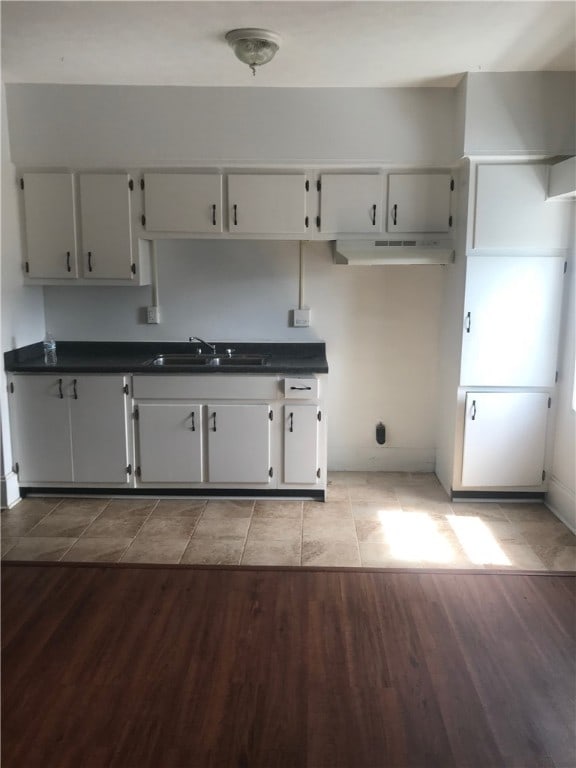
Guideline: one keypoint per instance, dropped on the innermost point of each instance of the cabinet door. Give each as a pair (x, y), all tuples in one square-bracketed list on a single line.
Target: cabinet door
[(41, 429), (50, 225), (301, 444), (351, 203), (512, 319), (238, 443), (504, 439), (183, 202), (419, 202), (98, 427), (267, 203), (170, 442), (512, 210), (105, 206)]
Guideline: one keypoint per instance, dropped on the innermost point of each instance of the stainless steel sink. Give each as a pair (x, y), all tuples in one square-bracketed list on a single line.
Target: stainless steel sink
[(199, 361)]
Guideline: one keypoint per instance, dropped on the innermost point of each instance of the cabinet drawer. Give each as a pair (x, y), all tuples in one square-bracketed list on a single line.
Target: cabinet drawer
[(211, 387), (300, 388)]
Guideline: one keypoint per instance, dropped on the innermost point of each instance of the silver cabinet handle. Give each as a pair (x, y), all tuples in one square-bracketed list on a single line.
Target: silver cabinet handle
[(90, 261), (60, 393), (473, 410), (291, 427), (193, 427), (394, 214), (468, 322), (74, 389), (214, 422), (374, 215)]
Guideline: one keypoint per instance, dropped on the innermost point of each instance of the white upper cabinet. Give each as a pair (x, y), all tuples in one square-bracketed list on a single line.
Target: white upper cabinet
[(50, 225), (512, 310), (504, 439), (267, 203), (183, 202), (351, 202), (105, 206), (82, 232), (512, 211), (419, 202)]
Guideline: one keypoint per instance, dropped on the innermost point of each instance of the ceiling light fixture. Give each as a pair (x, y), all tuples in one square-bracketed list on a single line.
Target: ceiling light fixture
[(253, 46)]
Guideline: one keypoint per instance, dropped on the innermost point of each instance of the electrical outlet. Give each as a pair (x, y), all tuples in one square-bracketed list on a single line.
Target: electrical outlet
[(152, 314), (301, 318)]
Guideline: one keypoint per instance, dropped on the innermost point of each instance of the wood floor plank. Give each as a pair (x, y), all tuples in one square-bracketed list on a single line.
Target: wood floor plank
[(192, 668)]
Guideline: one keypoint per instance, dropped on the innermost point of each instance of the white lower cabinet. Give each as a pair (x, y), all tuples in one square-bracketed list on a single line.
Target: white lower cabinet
[(504, 439), (40, 416), (170, 443), (301, 436), (229, 431), (239, 443), (70, 429)]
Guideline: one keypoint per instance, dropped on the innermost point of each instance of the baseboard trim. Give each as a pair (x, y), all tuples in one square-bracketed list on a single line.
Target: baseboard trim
[(9, 490), (497, 495), (205, 493), (561, 500)]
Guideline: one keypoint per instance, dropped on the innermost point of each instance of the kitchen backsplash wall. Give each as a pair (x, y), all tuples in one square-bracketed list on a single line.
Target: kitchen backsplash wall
[(380, 324)]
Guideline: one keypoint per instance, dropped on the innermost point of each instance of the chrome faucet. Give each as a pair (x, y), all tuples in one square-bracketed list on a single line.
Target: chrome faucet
[(197, 338)]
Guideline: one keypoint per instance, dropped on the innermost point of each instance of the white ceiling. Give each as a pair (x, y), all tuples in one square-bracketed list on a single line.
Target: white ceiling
[(324, 44)]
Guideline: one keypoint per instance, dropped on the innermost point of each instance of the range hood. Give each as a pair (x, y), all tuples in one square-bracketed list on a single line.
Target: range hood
[(374, 252)]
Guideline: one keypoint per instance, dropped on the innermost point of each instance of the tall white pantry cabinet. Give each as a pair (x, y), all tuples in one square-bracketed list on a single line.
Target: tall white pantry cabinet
[(501, 331)]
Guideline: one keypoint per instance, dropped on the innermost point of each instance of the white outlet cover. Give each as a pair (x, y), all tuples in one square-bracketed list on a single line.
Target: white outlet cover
[(301, 318)]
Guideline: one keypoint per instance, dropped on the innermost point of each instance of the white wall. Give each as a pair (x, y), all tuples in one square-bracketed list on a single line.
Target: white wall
[(380, 325), (561, 497), (22, 311), (121, 126), (517, 113)]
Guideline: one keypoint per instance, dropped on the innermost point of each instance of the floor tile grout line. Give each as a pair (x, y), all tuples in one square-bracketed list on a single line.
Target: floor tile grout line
[(121, 559), (247, 532)]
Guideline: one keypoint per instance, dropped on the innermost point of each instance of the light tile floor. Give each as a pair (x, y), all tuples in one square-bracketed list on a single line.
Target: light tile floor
[(389, 520)]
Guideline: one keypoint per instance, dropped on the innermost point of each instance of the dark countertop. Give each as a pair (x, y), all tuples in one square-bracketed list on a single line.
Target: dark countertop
[(136, 357)]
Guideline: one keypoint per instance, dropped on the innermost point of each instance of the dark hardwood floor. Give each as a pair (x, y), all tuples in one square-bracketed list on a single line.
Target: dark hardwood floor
[(187, 667)]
